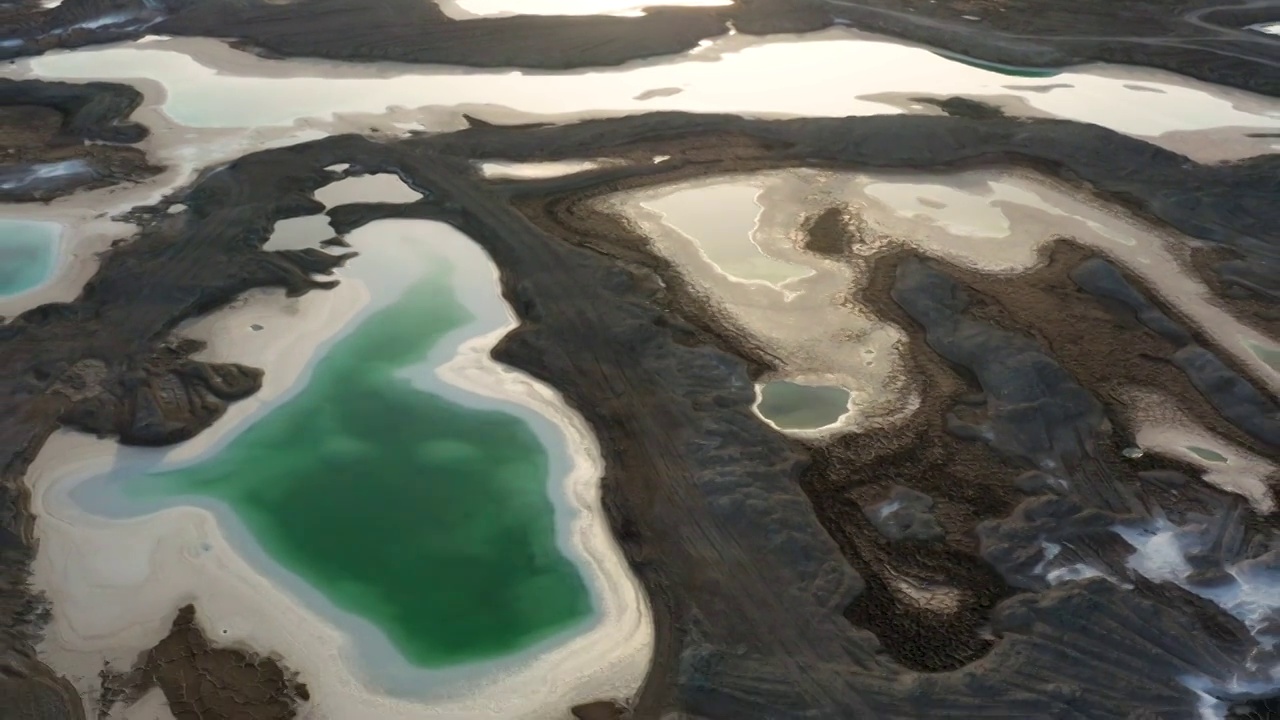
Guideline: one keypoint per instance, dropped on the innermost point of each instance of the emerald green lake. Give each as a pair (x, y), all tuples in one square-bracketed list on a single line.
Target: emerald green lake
[(430, 519), (28, 254), (1207, 454), (792, 406)]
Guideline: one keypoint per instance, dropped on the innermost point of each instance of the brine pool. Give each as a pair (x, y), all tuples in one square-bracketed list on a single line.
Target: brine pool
[(424, 515)]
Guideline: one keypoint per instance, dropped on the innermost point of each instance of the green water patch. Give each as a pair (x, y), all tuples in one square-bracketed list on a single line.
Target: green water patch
[(1011, 70), (721, 220), (792, 406), (428, 518), (1207, 454), (28, 254)]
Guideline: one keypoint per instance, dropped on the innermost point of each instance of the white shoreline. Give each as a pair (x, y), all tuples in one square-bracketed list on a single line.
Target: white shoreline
[(115, 584), (61, 257)]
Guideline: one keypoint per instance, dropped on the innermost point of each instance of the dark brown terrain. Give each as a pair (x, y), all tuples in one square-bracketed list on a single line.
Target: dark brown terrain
[(776, 585)]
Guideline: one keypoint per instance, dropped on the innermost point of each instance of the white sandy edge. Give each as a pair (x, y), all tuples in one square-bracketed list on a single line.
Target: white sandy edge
[(115, 584), (1162, 427)]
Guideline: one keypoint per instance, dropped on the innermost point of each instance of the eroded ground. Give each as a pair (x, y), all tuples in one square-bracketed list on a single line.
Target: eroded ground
[(44, 129)]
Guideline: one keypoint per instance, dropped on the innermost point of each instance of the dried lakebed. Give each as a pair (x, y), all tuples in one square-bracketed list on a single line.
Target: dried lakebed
[(755, 548)]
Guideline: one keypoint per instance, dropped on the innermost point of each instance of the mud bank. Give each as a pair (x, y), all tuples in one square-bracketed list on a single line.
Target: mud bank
[(768, 601)]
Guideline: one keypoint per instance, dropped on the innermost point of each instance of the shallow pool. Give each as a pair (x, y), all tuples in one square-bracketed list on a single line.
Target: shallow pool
[(28, 254)]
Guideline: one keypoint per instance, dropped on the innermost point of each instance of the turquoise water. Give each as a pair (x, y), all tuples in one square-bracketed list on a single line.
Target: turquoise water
[(428, 518), (792, 406), (28, 254)]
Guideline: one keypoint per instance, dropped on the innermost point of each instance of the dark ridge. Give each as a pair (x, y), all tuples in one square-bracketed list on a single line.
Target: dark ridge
[(50, 122), (90, 111)]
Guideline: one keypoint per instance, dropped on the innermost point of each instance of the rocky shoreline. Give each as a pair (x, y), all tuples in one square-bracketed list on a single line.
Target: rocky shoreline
[(766, 580)]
